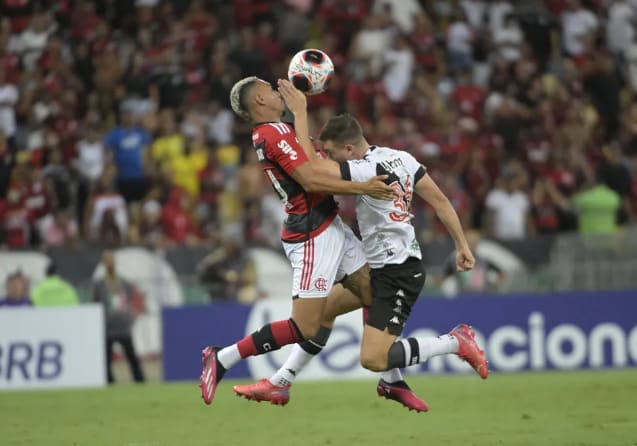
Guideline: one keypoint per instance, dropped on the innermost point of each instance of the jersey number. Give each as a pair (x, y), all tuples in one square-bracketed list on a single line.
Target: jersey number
[(402, 201)]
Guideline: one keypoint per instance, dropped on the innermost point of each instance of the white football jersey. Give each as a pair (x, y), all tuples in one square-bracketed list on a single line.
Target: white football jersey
[(386, 229)]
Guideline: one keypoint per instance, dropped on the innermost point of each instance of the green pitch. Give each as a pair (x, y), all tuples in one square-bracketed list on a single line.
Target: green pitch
[(581, 408)]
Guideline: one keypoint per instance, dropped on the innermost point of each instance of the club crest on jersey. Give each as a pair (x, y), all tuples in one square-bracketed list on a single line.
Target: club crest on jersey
[(287, 149), (321, 284)]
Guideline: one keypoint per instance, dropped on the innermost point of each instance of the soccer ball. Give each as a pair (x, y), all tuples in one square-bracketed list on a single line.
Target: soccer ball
[(311, 71)]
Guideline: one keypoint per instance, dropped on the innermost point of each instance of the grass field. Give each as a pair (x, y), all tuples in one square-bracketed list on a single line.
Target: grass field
[(581, 408)]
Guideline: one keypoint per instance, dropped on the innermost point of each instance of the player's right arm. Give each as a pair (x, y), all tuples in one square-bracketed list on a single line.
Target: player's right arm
[(287, 153)]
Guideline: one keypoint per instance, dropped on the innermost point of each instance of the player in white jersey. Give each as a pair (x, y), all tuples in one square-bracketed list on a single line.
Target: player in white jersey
[(393, 253)]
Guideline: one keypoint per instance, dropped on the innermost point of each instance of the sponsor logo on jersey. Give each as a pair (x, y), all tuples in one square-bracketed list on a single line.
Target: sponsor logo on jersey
[(392, 164), (287, 149)]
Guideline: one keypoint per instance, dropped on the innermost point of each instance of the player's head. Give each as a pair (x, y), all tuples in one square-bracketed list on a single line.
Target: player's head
[(255, 100), (343, 138)]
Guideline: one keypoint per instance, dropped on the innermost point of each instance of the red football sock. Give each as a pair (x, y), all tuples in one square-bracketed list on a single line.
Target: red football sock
[(270, 337)]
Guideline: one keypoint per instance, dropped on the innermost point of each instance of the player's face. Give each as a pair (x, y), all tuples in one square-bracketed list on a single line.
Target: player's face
[(271, 98), (338, 152)]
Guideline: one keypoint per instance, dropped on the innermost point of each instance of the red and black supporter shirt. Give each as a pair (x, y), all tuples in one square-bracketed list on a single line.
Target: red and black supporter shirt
[(280, 153)]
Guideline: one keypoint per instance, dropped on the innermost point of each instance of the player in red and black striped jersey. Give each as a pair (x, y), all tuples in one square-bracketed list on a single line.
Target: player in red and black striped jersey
[(320, 247)]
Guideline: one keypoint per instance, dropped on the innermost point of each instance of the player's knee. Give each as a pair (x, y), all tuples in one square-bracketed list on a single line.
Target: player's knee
[(371, 360)]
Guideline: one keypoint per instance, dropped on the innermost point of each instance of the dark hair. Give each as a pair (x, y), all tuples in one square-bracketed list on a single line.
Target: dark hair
[(342, 129)]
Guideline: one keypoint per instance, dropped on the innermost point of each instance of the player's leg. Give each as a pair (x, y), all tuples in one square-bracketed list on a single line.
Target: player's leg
[(313, 274), (272, 336), (339, 301), (396, 290), (353, 273)]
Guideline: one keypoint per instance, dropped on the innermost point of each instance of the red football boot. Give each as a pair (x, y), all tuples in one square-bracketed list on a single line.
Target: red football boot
[(211, 373), (264, 390), (469, 351), (400, 392)]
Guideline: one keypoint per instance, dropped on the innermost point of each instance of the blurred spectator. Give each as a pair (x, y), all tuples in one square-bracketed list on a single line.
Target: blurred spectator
[(399, 63), (578, 23), (59, 176), (508, 209), (90, 164), (508, 40), (53, 291), (620, 30), (187, 165), (106, 216), (170, 142), (597, 207), (91, 156), (16, 230), (369, 46), (122, 304), (150, 231), (8, 98), (228, 273), (31, 42), (342, 17), (402, 12), (616, 174), (468, 97), (219, 122), (58, 228), (129, 143), (177, 218), (460, 38), (17, 289), (7, 163), (548, 203)]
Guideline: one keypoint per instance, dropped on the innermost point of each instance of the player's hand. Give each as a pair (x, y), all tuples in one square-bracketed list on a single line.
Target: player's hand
[(376, 188), (464, 259), (292, 96)]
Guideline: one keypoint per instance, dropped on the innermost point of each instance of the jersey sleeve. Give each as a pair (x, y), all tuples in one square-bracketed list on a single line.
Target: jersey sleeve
[(416, 170), (357, 170), (283, 148)]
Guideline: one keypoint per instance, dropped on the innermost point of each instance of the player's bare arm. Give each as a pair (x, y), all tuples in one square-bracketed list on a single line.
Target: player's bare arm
[(429, 191), (296, 102), (313, 181)]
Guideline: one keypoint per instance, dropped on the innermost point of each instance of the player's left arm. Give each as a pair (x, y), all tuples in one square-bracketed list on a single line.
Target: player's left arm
[(429, 191)]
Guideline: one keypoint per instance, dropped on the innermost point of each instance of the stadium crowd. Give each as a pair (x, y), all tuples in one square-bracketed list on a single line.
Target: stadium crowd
[(115, 125)]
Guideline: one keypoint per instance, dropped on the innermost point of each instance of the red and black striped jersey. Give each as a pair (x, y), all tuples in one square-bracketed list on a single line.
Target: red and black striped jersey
[(280, 153)]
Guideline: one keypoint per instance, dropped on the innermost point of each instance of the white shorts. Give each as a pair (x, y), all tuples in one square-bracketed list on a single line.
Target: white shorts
[(323, 260)]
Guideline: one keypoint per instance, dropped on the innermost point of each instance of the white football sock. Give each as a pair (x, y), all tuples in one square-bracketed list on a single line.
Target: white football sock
[(392, 376), (229, 356), (442, 345), (295, 363)]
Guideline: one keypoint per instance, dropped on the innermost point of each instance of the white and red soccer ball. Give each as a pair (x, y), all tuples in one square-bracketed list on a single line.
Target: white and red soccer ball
[(311, 71)]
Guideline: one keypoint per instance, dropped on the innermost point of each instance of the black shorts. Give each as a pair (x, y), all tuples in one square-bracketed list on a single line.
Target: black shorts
[(395, 289)]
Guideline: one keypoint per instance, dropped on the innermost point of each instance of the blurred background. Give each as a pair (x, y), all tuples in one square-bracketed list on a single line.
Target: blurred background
[(123, 171)]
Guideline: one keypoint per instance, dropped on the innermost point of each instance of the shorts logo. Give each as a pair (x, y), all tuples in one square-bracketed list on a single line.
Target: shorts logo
[(321, 284)]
